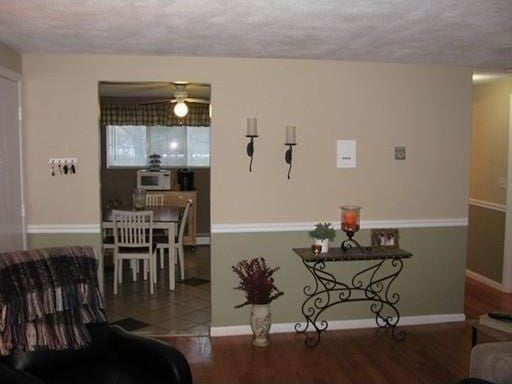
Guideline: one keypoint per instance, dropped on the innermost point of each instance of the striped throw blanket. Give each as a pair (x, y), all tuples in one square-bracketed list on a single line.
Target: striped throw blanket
[(46, 298)]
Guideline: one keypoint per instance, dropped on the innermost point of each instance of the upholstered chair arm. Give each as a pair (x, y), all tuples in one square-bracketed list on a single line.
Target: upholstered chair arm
[(153, 355), (492, 362)]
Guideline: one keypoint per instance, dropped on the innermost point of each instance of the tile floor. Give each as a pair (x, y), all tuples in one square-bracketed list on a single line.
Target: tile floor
[(183, 311)]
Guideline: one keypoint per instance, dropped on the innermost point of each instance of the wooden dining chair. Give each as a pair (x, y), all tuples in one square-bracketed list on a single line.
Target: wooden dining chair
[(182, 225), (163, 243), (133, 240)]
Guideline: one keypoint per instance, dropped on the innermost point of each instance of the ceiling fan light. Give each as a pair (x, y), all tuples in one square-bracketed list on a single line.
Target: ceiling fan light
[(180, 109)]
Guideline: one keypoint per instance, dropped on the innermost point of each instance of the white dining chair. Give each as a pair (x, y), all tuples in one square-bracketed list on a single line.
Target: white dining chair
[(163, 243), (133, 240), (157, 200), (154, 199)]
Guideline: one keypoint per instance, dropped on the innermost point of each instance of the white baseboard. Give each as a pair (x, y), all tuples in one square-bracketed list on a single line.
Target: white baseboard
[(341, 324), (484, 280)]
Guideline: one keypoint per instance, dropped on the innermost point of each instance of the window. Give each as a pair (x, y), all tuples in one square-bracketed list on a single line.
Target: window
[(130, 145)]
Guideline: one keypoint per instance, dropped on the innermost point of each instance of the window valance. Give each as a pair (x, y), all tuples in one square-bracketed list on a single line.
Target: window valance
[(159, 114)]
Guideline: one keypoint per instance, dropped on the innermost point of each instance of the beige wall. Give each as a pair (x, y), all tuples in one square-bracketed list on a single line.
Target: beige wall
[(424, 108), (9, 58), (491, 108), (379, 105)]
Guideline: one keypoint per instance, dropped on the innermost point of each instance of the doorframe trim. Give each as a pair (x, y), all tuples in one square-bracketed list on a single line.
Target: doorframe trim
[(16, 77), (507, 249), (10, 74)]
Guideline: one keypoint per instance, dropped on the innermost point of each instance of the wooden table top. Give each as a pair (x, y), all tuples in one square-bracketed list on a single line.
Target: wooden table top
[(336, 254), (164, 213)]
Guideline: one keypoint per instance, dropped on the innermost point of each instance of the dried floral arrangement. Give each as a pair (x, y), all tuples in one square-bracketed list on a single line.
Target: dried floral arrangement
[(256, 281)]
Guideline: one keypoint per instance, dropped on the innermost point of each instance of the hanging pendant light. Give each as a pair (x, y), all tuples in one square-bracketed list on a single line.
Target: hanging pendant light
[(180, 109)]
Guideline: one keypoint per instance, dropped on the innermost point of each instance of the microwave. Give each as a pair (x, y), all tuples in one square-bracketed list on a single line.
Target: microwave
[(154, 180)]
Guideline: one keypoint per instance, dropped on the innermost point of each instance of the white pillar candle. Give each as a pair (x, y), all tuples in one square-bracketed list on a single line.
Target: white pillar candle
[(252, 126), (290, 135)]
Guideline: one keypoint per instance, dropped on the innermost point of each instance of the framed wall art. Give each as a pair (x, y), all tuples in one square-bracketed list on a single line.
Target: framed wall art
[(386, 237)]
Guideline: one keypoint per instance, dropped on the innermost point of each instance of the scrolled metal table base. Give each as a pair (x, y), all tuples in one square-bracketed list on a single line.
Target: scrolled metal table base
[(370, 284)]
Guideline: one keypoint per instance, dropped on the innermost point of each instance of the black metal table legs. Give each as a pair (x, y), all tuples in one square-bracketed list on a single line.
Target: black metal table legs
[(371, 284)]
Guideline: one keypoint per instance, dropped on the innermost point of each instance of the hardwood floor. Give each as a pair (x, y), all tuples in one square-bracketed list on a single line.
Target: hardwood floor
[(482, 299), (430, 354)]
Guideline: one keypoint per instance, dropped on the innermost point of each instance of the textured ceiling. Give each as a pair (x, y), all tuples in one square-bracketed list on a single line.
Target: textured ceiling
[(475, 33)]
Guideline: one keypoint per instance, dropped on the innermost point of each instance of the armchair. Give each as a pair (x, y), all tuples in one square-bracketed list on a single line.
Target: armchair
[(53, 328), (491, 363), (114, 356)]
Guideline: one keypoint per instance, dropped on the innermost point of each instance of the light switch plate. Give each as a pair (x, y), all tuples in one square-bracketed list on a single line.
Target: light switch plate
[(503, 182), (400, 152), (346, 154)]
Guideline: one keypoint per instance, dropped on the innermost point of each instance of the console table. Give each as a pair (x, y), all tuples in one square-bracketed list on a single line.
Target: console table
[(370, 284)]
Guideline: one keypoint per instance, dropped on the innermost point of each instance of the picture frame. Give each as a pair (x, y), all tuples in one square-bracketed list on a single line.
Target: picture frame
[(385, 237)]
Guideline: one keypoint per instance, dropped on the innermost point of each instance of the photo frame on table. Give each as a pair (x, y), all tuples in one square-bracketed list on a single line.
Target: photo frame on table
[(385, 237)]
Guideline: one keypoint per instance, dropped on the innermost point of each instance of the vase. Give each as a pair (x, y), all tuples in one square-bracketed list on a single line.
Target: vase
[(324, 243), (261, 320)]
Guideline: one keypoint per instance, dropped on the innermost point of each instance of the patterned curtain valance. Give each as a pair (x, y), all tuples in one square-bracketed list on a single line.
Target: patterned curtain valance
[(161, 114)]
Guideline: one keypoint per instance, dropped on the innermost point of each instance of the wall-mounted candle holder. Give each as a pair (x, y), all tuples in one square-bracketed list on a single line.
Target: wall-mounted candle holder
[(252, 133), (290, 142)]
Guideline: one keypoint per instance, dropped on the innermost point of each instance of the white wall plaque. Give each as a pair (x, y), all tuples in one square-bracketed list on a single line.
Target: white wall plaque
[(346, 154)]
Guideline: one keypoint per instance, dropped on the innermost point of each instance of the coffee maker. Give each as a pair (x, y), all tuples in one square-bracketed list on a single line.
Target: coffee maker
[(186, 179)]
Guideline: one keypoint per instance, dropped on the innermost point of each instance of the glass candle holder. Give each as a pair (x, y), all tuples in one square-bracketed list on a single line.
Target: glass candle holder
[(139, 198), (350, 219)]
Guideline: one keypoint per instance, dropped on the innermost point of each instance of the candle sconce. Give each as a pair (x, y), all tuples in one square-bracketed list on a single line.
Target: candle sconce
[(252, 133), (350, 215), (290, 142)]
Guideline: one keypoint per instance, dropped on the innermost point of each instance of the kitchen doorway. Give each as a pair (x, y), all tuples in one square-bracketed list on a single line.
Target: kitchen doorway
[(149, 130)]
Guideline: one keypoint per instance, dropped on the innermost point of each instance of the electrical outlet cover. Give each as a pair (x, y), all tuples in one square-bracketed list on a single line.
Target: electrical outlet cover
[(400, 153)]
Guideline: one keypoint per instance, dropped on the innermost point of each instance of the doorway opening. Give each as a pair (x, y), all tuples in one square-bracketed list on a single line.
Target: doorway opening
[(489, 257), (155, 143)]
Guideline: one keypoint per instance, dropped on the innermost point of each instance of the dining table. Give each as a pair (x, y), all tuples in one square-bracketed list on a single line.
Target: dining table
[(164, 217)]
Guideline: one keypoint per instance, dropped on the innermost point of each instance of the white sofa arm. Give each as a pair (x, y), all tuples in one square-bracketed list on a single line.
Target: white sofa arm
[(492, 362)]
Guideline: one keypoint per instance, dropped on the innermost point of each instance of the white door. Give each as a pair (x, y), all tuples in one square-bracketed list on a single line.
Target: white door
[(12, 233)]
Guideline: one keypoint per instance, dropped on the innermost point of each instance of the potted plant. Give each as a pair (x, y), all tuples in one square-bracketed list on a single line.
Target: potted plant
[(323, 233), (258, 285)]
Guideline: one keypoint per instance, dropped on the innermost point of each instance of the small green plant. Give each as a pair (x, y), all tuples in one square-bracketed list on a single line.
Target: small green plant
[(323, 231), (256, 281)]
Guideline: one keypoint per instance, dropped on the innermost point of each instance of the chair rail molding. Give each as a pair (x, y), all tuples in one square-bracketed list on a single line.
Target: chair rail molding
[(488, 205), (365, 224), (63, 228), (484, 280)]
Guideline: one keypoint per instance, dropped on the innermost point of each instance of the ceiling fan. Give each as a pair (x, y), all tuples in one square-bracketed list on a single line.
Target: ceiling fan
[(180, 97)]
